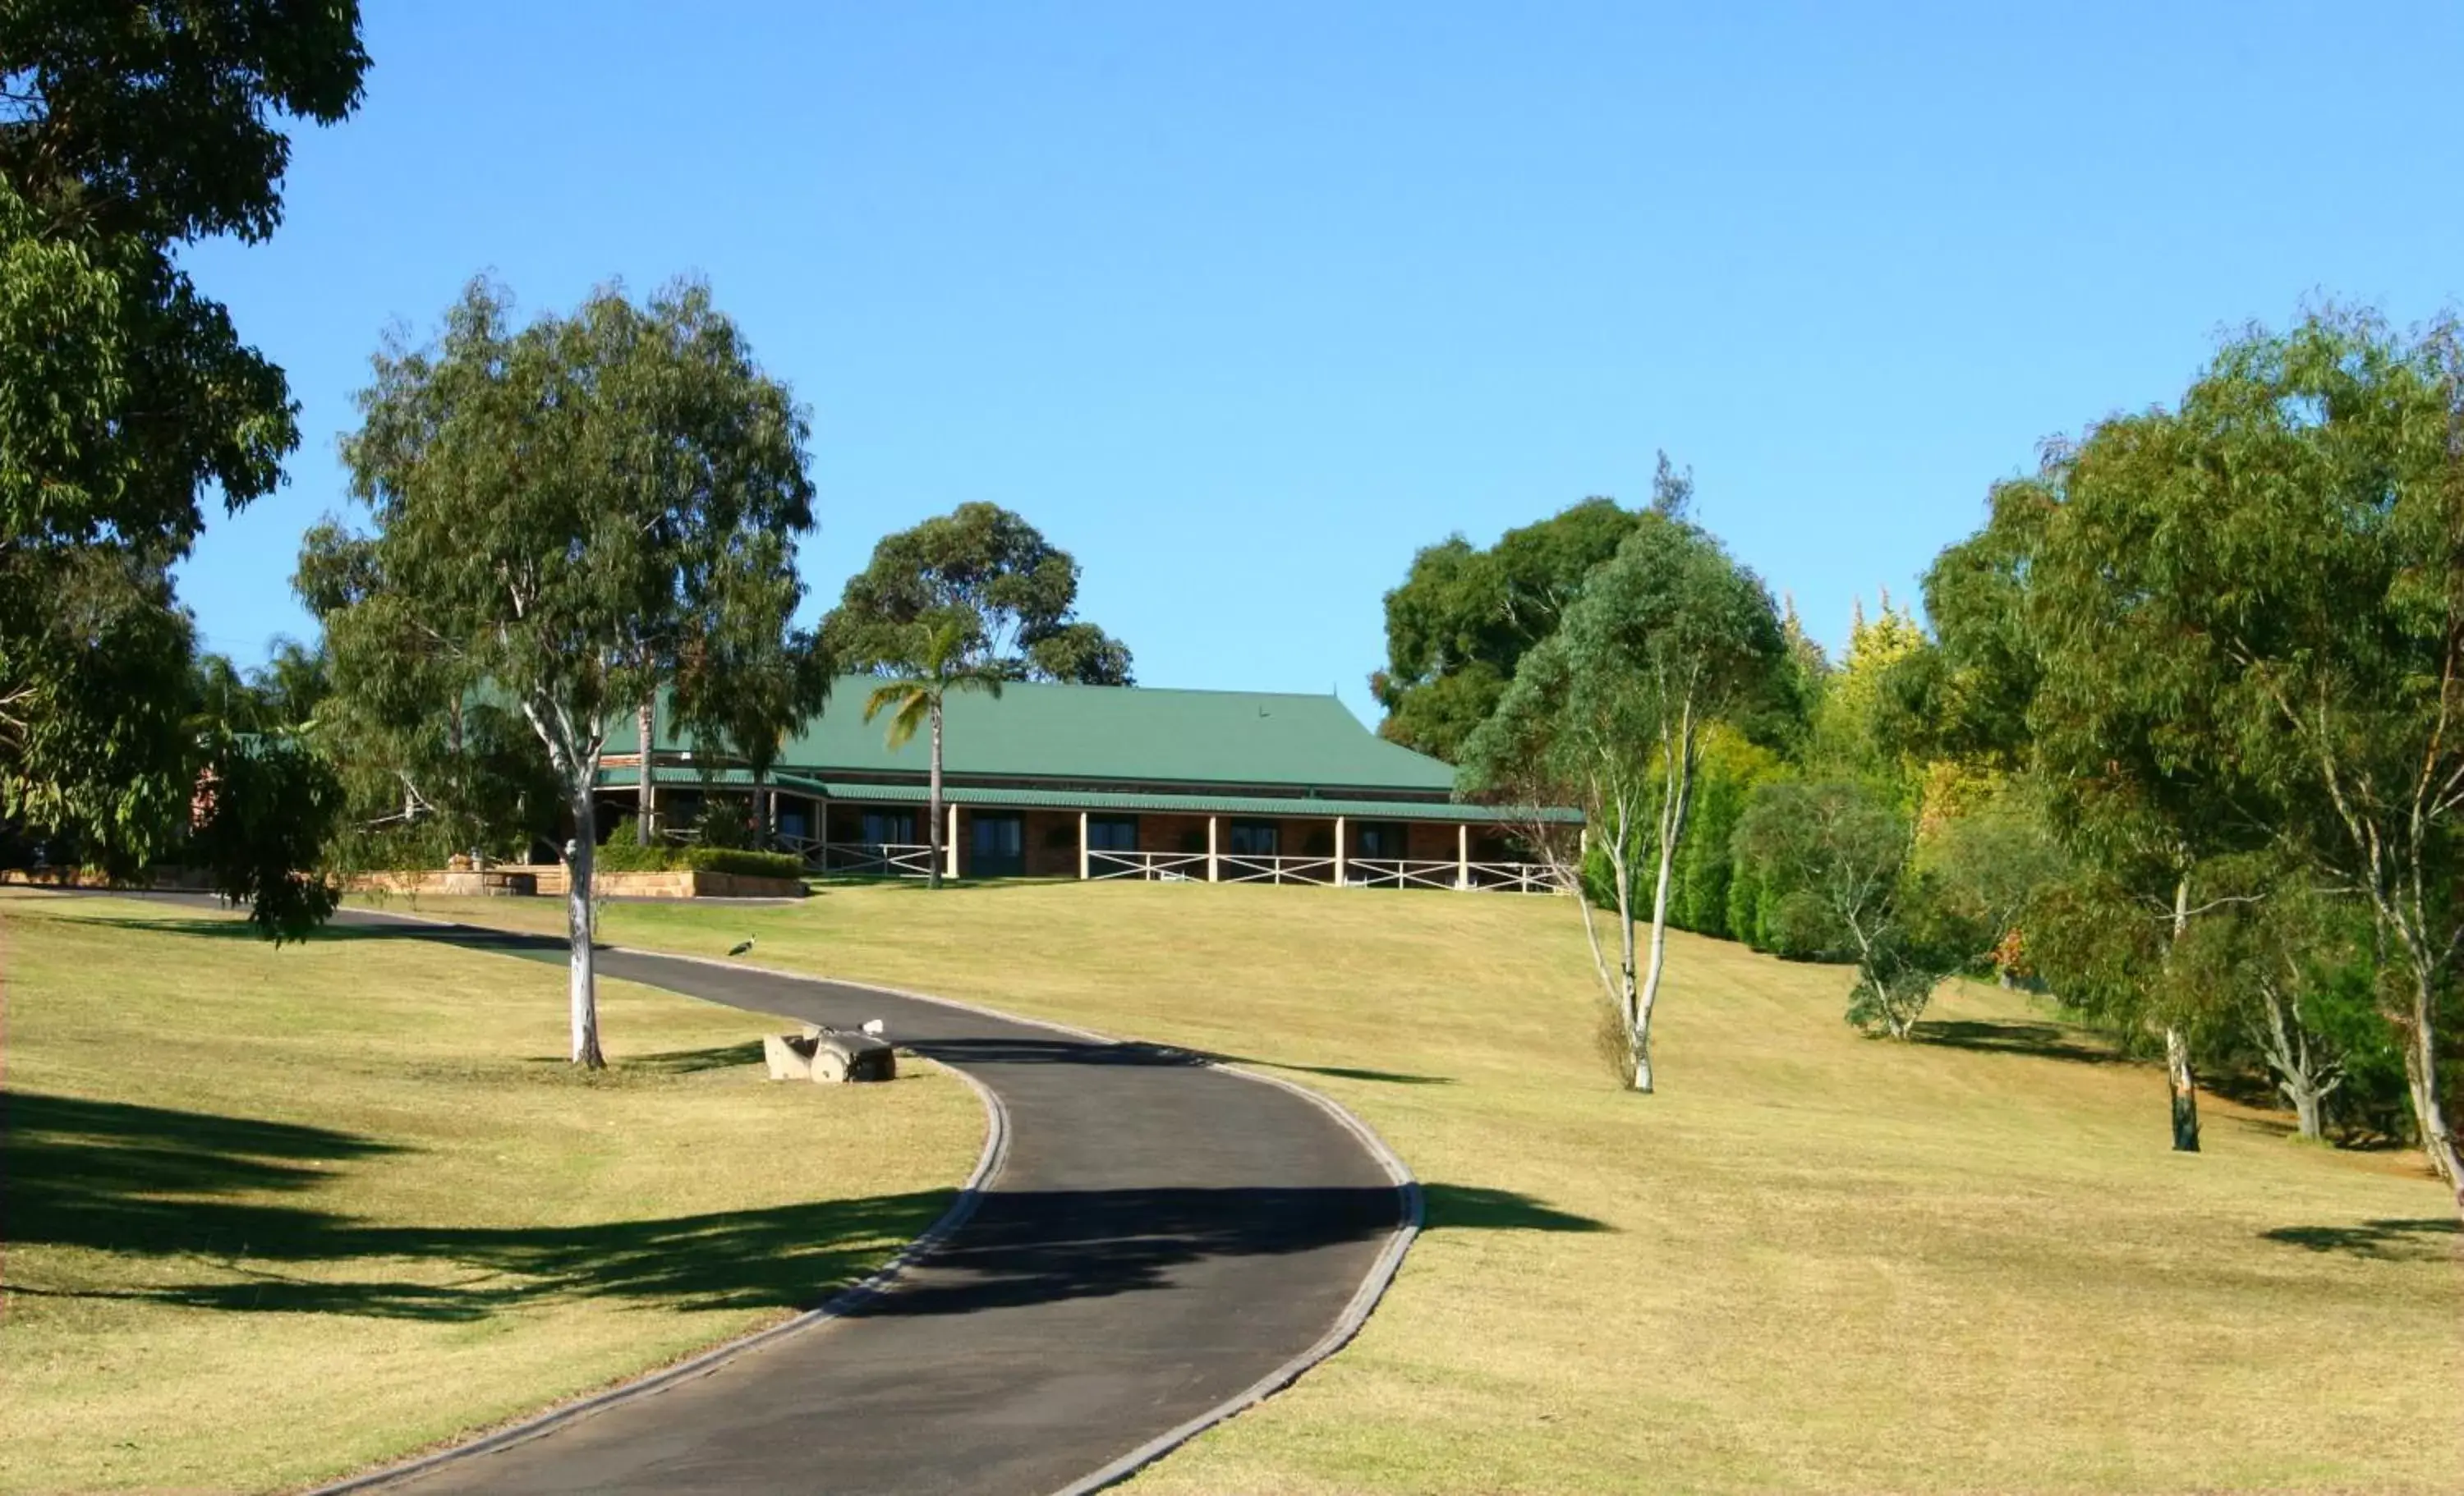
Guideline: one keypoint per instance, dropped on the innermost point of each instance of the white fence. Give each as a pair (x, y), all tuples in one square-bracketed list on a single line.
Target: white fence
[(1148, 867), (861, 859), (909, 860)]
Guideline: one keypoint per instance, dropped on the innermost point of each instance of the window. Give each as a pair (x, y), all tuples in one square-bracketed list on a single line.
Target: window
[(894, 826), (1111, 833), (791, 824), (1255, 839), (1379, 839), (999, 846)]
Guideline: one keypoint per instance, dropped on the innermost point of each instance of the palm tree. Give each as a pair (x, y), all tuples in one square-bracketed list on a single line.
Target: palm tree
[(941, 664)]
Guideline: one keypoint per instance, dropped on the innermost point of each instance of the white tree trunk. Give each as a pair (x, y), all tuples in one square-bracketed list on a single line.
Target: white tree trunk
[(2180, 1083), (2421, 1079), (581, 963), (646, 795), (1676, 787)]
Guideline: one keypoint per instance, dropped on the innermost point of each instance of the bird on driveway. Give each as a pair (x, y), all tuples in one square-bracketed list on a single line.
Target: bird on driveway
[(741, 946)]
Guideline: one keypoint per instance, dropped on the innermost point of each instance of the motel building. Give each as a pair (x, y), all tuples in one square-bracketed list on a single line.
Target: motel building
[(1097, 782)]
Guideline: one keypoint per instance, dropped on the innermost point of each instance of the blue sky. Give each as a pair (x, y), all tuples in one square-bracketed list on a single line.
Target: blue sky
[(1243, 303)]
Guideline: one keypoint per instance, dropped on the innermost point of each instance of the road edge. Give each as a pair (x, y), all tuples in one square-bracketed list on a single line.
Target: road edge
[(988, 1165), (1382, 1275)]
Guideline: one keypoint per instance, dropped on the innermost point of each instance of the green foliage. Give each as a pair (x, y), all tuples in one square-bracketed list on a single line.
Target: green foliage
[(271, 804), (624, 853), (1832, 863), (1463, 620), (566, 513), (127, 131), (1011, 595), (434, 760), (1704, 877), (97, 745), (725, 823), (2240, 624), (1664, 641)]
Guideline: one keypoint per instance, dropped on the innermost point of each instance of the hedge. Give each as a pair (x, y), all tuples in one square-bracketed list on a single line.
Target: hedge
[(621, 852)]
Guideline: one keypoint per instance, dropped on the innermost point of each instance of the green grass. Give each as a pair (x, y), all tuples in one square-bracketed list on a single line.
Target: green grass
[(272, 1216), (1812, 1262)]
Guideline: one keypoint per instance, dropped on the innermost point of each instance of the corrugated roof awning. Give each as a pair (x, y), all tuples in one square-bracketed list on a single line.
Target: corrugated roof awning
[(1107, 799)]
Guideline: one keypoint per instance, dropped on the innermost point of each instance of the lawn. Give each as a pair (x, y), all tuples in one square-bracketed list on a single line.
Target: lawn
[(272, 1216), (1812, 1262)]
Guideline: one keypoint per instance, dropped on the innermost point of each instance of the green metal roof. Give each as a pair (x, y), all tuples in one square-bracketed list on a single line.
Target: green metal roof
[(1081, 734), (1103, 800)]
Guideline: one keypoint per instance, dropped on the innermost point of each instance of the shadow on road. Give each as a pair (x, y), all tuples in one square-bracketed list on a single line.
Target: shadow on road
[(236, 1199)]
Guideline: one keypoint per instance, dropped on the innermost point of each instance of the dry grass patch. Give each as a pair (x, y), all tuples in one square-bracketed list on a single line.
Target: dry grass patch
[(1817, 1263), (271, 1215)]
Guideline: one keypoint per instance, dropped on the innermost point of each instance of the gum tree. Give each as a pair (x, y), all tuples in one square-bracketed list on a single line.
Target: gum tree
[(2286, 552), (1608, 714), (1012, 594), (548, 495)]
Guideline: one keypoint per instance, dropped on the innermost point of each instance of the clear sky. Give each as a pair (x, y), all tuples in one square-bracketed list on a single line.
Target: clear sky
[(1243, 303)]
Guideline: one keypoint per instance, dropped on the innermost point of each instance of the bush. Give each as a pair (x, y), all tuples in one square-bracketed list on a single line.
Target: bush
[(740, 861), (623, 854), (622, 851)]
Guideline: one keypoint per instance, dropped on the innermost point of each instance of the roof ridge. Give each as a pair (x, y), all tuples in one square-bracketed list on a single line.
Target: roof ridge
[(1144, 691)]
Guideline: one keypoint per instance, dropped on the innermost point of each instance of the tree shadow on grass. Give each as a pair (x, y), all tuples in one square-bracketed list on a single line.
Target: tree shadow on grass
[(2044, 1040), (124, 1177), (692, 1061), (183, 1187), (2381, 1240)]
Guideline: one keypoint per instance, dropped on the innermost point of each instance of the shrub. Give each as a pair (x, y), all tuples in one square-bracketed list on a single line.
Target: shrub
[(740, 861), (622, 853)]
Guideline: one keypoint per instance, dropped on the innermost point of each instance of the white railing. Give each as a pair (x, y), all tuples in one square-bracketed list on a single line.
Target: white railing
[(1265, 867), (861, 859), (1518, 877), (1149, 867), (1402, 872), (913, 860)]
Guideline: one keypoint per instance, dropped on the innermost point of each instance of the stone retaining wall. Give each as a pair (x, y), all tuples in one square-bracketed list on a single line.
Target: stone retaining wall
[(549, 879)]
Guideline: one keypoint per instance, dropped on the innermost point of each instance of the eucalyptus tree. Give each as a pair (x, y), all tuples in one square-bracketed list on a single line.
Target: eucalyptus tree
[(128, 131), (932, 665), (432, 762), (1013, 594), (547, 498), (1609, 713), (2285, 553), (2042, 662)]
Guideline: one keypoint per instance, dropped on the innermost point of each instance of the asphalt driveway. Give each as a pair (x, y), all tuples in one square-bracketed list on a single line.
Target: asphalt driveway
[(1161, 1236)]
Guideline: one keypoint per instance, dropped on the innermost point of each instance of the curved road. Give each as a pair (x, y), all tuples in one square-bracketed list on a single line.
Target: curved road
[(1160, 1238)]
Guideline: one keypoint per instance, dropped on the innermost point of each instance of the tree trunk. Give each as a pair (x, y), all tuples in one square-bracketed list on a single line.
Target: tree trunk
[(933, 814), (581, 968), (2305, 1079), (2421, 1079), (1680, 785), (645, 798), (2179, 1080), (2183, 1085), (2305, 1111)]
